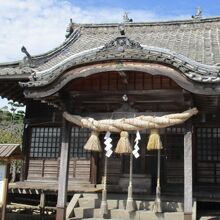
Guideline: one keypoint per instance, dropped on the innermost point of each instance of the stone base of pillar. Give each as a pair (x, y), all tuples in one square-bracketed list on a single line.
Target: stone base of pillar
[(187, 216), (61, 213)]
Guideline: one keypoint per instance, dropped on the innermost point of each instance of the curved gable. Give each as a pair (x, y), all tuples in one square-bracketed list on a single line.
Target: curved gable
[(123, 50)]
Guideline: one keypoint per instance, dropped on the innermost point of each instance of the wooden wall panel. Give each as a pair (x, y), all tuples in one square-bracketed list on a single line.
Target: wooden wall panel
[(79, 169), (50, 169), (114, 170), (35, 169)]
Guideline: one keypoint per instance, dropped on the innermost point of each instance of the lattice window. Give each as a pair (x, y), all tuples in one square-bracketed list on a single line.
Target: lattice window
[(208, 155), (174, 142), (78, 138), (208, 141), (174, 151), (45, 142)]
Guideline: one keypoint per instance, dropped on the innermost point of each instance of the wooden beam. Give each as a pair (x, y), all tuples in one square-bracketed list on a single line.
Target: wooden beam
[(147, 93), (3, 86), (143, 98), (9, 90), (63, 174), (16, 95), (188, 193)]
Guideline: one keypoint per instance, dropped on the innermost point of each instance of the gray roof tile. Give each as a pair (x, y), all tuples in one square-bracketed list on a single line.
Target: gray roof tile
[(197, 40)]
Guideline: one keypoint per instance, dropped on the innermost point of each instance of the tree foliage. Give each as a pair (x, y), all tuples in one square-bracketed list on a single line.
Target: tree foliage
[(12, 136), (11, 123)]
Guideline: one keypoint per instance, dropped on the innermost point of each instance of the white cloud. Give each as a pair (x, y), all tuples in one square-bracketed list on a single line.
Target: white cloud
[(40, 25)]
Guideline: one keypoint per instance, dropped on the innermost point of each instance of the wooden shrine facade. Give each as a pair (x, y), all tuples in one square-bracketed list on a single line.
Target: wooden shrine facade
[(103, 71), (145, 93)]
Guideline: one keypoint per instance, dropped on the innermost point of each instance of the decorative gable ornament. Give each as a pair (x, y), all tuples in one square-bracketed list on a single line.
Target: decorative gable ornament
[(121, 44)]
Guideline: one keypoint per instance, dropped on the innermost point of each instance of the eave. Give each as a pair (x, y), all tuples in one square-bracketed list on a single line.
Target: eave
[(123, 54)]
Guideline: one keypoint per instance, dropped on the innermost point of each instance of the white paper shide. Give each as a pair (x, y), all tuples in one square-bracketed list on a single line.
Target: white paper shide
[(136, 147), (108, 141)]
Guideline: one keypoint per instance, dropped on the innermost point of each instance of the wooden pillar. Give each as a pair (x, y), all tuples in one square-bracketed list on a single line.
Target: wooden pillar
[(94, 167), (188, 172), (63, 174), (5, 191), (26, 141), (42, 204)]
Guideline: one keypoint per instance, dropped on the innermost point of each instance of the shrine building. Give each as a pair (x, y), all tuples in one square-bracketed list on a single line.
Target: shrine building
[(121, 71)]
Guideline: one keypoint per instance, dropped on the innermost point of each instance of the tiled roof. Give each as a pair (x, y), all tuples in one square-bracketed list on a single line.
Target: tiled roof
[(10, 151), (14, 70), (197, 40)]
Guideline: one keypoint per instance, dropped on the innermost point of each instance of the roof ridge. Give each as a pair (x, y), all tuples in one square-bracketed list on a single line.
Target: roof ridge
[(74, 36), (150, 23), (10, 64)]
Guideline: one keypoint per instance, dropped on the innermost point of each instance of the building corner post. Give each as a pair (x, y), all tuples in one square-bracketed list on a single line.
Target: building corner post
[(188, 186), (63, 173)]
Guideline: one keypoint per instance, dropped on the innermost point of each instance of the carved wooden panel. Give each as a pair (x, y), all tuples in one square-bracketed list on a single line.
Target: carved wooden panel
[(121, 81)]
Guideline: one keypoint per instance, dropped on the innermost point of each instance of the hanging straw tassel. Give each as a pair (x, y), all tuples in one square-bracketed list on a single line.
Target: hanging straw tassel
[(93, 143), (154, 142), (124, 145)]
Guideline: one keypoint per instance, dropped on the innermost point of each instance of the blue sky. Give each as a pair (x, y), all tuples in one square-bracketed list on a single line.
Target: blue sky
[(40, 24), (162, 7)]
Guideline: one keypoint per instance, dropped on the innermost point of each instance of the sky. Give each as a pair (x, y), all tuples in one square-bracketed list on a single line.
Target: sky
[(40, 25)]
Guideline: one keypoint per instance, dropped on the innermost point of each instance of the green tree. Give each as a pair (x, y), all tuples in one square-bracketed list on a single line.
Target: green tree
[(17, 114)]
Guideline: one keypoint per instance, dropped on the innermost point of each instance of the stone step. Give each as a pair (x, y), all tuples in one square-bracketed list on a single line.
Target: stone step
[(144, 205), (174, 215), (74, 218), (97, 214), (101, 219), (91, 195), (143, 215), (83, 212), (122, 214), (172, 206), (113, 204), (139, 205), (166, 206), (89, 202)]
